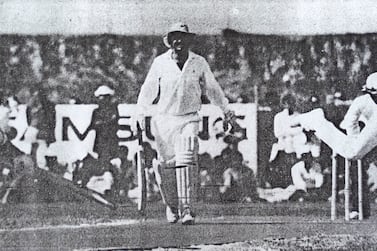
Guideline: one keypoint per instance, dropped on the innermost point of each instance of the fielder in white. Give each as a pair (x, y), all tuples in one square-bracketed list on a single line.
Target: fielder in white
[(179, 77), (355, 144)]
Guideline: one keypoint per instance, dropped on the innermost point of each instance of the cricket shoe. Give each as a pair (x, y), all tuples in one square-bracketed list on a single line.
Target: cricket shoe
[(354, 215), (188, 217), (172, 215)]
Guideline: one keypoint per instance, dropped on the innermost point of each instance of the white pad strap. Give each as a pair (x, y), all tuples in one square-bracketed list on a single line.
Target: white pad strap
[(186, 151)]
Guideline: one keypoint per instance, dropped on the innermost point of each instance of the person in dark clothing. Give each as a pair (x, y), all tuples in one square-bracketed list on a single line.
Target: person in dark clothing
[(105, 121), (238, 180), (290, 141), (45, 115)]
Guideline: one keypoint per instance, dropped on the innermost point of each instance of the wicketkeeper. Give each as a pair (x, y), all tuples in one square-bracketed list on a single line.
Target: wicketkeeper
[(179, 77), (356, 143)]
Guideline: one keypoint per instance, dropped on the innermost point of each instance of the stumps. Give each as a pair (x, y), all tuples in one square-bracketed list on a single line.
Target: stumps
[(360, 188), (333, 186), (346, 188)]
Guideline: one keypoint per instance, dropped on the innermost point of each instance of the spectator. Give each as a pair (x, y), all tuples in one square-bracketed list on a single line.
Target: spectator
[(290, 143), (307, 178), (105, 122), (207, 190), (238, 181), (290, 139)]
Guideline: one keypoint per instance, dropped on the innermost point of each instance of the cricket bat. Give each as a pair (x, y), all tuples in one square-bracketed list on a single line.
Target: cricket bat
[(141, 176)]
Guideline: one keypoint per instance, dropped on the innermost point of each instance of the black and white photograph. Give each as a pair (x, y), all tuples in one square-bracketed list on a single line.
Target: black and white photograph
[(188, 125)]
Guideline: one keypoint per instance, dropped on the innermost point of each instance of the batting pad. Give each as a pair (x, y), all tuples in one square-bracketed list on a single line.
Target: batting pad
[(167, 183), (186, 150), (184, 186), (186, 161)]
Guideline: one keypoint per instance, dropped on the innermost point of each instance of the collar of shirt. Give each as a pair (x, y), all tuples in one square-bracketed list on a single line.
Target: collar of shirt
[(168, 57)]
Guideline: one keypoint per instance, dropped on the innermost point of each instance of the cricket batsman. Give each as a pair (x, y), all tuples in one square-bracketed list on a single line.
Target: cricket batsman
[(178, 78), (356, 143)]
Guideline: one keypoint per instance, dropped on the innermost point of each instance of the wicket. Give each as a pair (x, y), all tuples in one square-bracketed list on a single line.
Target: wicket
[(346, 188)]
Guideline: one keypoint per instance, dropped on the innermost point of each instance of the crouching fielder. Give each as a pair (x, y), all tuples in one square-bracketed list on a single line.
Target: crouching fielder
[(356, 143), (178, 78)]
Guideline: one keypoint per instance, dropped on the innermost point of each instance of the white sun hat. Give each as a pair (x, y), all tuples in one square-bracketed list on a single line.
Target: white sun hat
[(177, 27), (104, 90), (371, 84)]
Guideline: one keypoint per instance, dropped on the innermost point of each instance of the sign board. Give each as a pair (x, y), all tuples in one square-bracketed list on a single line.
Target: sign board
[(75, 138)]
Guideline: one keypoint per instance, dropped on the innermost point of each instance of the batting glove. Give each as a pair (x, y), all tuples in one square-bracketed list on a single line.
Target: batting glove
[(229, 118)]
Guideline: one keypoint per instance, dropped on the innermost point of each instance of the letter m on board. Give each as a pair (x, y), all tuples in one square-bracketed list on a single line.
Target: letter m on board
[(68, 123)]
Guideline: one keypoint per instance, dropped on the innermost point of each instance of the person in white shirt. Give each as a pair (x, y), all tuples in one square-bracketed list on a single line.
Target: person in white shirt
[(290, 139), (292, 142), (356, 143), (306, 175), (179, 77)]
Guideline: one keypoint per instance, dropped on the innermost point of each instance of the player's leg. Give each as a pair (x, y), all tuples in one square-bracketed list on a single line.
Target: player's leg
[(164, 170), (350, 147), (167, 184), (186, 155)]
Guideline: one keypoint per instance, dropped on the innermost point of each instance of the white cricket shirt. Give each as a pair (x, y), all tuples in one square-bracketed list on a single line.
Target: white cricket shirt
[(180, 90)]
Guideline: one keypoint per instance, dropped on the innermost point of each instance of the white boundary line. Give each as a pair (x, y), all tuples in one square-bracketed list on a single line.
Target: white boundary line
[(102, 224)]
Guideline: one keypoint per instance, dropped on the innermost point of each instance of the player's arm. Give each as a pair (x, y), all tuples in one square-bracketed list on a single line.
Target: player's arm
[(212, 88), (278, 127), (148, 92), (361, 144), (215, 94), (149, 89), (350, 122)]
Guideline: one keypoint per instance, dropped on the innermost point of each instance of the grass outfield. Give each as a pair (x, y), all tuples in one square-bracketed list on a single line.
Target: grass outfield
[(241, 226), (317, 242), (15, 216)]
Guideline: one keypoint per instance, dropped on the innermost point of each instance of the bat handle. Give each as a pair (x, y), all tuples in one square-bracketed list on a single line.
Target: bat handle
[(138, 126), (139, 133)]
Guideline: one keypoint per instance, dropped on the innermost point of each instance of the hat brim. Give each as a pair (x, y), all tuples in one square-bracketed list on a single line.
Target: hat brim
[(165, 38), (369, 90), (100, 93)]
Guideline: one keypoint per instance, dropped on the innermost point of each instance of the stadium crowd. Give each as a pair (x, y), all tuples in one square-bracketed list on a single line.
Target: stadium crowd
[(322, 71)]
